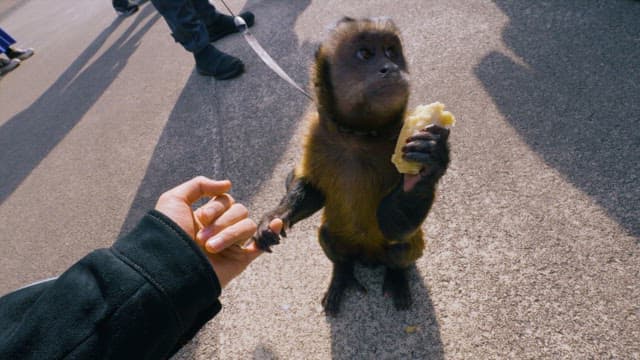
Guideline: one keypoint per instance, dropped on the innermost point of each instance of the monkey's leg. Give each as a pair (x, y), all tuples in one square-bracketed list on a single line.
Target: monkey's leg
[(400, 257), (301, 201), (396, 285), (342, 276)]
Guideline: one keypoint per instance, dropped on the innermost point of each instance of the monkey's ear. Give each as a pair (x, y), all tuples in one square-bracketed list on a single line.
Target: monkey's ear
[(384, 20), (345, 19), (318, 52)]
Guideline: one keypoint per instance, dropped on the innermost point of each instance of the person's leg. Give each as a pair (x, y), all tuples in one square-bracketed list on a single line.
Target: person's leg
[(7, 47), (123, 7), (186, 27), (5, 41), (219, 25), (191, 33), (205, 10)]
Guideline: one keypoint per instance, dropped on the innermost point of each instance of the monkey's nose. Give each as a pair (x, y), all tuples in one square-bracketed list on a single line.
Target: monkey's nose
[(388, 69)]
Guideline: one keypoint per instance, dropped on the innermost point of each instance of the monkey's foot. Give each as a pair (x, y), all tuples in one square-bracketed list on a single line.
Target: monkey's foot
[(341, 280), (396, 285)]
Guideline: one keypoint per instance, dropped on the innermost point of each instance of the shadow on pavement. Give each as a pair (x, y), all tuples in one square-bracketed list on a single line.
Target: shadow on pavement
[(574, 98), (369, 327), (30, 135), (235, 129), (263, 352)]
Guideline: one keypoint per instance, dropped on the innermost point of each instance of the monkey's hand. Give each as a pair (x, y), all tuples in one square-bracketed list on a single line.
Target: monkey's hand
[(430, 148), (268, 234)]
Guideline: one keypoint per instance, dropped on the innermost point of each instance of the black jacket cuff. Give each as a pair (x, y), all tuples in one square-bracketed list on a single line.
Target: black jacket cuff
[(170, 260)]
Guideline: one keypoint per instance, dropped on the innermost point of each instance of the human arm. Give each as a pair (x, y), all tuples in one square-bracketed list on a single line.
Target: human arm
[(143, 297)]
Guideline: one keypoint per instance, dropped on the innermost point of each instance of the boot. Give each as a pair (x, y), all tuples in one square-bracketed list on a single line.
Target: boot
[(224, 25), (213, 62)]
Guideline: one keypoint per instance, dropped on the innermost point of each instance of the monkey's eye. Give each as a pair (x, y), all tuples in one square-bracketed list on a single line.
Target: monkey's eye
[(390, 52), (364, 54)]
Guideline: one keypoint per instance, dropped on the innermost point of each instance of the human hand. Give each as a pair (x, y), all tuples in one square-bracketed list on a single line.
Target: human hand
[(225, 229), (215, 226)]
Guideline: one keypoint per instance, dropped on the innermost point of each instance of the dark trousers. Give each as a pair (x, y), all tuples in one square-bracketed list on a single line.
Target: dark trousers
[(188, 20), (120, 4)]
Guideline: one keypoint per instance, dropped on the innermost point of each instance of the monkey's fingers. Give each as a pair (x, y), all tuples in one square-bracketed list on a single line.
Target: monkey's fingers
[(423, 146), (437, 130), (265, 238), (424, 135), (419, 157)]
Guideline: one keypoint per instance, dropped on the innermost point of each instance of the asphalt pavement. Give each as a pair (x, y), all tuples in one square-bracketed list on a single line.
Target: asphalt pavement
[(534, 240)]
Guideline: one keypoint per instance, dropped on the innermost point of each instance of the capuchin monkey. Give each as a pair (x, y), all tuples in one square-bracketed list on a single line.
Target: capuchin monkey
[(372, 213)]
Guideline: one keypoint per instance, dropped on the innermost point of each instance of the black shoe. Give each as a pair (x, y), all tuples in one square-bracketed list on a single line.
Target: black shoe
[(20, 54), (224, 25), (213, 62), (6, 65), (126, 11)]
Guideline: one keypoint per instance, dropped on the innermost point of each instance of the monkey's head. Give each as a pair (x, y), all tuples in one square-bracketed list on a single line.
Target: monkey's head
[(360, 75)]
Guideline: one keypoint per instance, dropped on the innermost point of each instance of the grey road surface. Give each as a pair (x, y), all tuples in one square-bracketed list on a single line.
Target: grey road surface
[(533, 243)]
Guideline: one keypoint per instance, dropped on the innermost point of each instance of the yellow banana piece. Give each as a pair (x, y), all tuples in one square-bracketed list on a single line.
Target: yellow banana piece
[(421, 117)]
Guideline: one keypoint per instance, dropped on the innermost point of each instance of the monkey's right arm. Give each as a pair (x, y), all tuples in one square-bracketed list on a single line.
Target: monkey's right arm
[(403, 210), (301, 201)]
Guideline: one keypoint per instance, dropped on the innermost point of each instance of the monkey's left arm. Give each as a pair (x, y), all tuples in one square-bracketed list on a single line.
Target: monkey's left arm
[(301, 201), (403, 210)]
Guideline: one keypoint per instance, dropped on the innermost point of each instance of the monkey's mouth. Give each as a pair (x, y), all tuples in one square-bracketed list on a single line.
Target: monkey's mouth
[(390, 87)]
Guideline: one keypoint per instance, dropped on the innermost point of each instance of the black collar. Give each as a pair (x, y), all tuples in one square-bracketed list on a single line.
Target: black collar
[(366, 133), (392, 128)]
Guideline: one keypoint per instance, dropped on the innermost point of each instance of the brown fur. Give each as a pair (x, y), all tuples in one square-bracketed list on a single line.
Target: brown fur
[(370, 214), (354, 176), (353, 171)]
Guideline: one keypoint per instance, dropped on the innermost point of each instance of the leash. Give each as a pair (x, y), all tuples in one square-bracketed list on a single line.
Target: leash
[(242, 28)]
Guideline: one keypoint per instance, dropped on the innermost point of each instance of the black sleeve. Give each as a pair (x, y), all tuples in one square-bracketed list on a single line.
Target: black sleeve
[(143, 298)]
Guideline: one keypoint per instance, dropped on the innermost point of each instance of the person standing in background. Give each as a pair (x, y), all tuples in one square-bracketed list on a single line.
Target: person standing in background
[(10, 55), (196, 23)]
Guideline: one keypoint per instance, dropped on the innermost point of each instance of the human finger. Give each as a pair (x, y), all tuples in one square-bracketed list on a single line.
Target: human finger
[(215, 207), (234, 214), (276, 225), (208, 213), (198, 187), (237, 233)]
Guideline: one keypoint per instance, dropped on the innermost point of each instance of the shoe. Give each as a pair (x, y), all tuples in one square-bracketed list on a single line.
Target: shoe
[(20, 54), (213, 62), (224, 25), (126, 11), (6, 65)]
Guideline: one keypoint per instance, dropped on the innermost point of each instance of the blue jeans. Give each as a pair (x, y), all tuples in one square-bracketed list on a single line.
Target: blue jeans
[(5, 41), (188, 20)]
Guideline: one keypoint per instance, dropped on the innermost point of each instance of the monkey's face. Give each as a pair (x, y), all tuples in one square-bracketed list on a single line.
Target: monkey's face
[(369, 77)]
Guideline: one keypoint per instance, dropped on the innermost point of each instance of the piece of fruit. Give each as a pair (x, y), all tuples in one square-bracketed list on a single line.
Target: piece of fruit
[(421, 117)]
